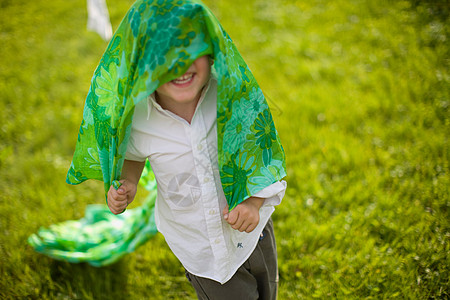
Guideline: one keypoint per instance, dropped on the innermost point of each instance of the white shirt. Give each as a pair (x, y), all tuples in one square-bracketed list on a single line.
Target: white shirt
[(190, 197)]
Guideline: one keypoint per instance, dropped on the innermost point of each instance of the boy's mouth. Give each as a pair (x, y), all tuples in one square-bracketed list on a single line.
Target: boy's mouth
[(183, 80)]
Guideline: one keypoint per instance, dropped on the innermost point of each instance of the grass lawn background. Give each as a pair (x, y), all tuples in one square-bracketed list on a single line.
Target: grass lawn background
[(359, 91)]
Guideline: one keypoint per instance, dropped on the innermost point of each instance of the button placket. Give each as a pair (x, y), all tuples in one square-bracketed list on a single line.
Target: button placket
[(209, 192)]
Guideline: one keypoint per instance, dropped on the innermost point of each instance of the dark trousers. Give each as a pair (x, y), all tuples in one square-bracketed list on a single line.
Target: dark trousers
[(257, 278)]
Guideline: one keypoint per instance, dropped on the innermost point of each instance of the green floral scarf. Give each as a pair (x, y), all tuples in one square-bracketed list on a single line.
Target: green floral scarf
[(156, 42)]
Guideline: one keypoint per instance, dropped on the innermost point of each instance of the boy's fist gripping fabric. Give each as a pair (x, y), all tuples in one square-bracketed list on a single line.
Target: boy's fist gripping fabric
[(119, 199), (245, 216)]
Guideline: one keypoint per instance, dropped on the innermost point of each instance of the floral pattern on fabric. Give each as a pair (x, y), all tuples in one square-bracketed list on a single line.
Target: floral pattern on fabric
[(156, 42)]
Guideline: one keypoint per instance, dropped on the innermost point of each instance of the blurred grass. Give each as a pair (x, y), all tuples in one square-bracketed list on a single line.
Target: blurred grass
[(360, 93)]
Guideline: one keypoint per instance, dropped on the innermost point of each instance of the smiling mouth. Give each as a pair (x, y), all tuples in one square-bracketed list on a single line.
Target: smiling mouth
[(183, 80)]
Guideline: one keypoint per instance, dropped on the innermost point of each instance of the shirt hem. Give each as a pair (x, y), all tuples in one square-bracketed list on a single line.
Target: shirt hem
[(231, 274)]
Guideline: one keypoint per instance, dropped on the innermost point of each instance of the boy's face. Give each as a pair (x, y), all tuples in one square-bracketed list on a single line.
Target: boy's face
[(188, 87)]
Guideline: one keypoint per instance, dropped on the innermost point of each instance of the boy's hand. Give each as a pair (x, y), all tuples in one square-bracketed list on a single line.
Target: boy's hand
[(119, 199), (245, 216)]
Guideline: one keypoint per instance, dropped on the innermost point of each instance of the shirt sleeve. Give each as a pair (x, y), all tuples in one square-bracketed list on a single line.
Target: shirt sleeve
[(273, 194), (133, 152)]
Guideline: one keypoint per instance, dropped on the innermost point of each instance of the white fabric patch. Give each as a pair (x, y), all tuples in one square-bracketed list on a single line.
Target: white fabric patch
[(98, 18)]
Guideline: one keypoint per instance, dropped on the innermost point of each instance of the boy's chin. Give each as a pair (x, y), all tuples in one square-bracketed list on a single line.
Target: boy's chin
[(185, 100)]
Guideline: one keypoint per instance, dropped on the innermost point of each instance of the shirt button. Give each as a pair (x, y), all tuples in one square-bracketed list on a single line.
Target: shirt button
[(217, 241), (212, 211), (199, 147), (206, 179)]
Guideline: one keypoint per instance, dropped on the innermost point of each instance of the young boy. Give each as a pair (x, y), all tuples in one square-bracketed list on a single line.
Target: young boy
[(210, 141), (170, 130)]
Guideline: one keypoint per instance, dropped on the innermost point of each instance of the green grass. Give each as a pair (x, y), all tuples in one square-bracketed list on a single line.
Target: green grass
[(360, 96)]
